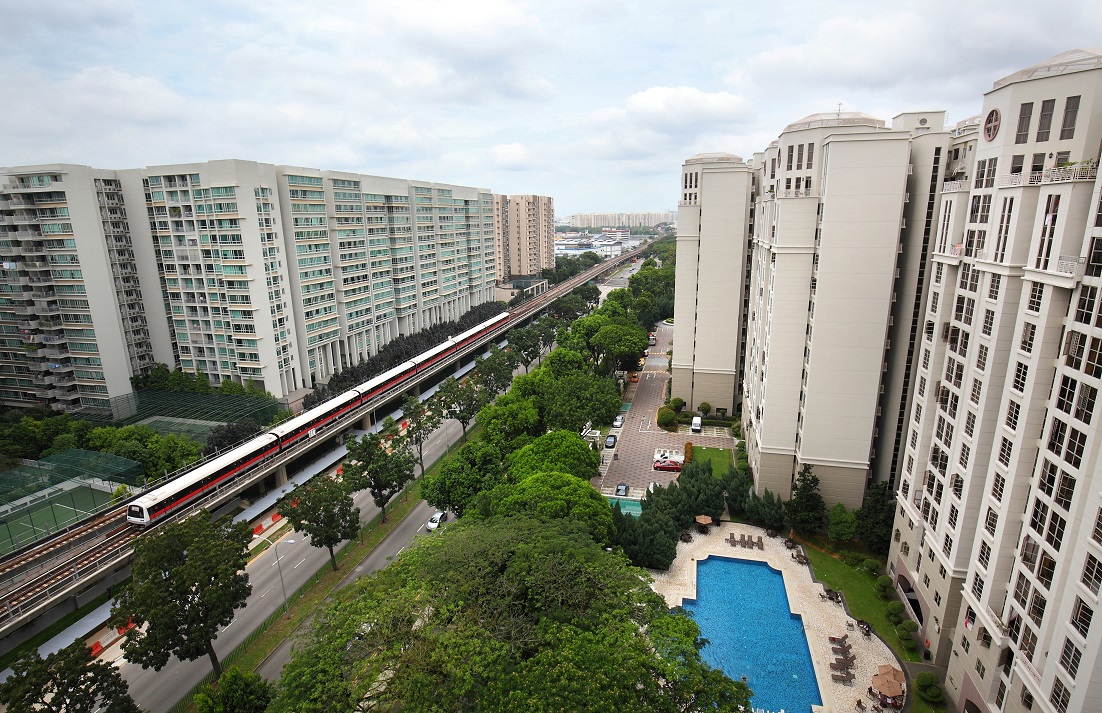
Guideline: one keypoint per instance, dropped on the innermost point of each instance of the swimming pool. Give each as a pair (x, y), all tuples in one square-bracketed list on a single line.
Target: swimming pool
[(628, 507), (742, 610)]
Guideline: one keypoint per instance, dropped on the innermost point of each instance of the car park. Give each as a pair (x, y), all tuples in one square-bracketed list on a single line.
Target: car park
[(610, 442), (438, 519), (618, 422)]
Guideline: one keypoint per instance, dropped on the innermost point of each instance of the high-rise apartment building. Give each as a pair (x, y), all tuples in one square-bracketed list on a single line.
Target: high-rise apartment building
[(524, 235), (998, 541), (621, 220), (237, 270), (714, 222)]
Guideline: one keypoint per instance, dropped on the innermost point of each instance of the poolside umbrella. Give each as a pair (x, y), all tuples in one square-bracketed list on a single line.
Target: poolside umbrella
[(887, 685), (886, 669), (703, 519)]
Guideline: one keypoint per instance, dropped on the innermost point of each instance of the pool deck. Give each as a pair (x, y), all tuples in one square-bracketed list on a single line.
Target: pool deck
[(822, 618)]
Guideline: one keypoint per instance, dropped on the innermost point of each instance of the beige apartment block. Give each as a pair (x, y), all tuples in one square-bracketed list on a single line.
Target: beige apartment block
[(998, 542), (714, 218), (524, 235)]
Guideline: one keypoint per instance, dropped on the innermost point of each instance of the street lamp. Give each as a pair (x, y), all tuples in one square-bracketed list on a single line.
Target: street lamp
[(279, 567)]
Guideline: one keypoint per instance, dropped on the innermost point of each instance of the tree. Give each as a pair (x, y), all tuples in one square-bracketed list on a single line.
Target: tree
[(510, 423), (549, 496), (545, 329), (677, 403), (525, 344), (511, 614), (588, 292), (474, 468), (230, 434), (876, 517), (186, 581), (68, 681), (767, 510), (563, 451), (616, 341), (374, 465), (460, 400), (580, 398), (323, 509), (739, 486), (666, 419), (841, 524), (421, 421), (236, 692), (495, 370), (705, 408), (806, 510)]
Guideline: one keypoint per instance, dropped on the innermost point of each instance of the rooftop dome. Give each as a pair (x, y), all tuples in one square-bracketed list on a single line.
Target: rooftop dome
[(835, 118), (1063, 63), (713, 157)]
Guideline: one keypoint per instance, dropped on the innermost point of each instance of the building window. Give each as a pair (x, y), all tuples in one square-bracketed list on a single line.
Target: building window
[(1036, 293), (1061, 696), (1077, 441), (1025, 115), (926, 581), (791, 151), (1048, 230), (1084, 309), (1039, 516), (1056, 435), (981, 669), (1049, 473), (998, 483), (993, 287), (1092, 573), (985, 554), (977, 390), (991, 522), (1065, 492), (1044, 124), (1037, 604), (988, 322), (810, 155), (1071, 111), (1096, 535), (953, 512), (1029, 331), (965, 454), (1046, 568), (977, 585), (939, 269), (1081, 616), (1013, 409), (1000, 695), (1021, 590), (1084, 407), (969, 424), (1093, 365), (1055, 534), (964, 643), (1027, 699), (1065, 397), (947, 546), (981, 357), (1021, 372), (937, 598)]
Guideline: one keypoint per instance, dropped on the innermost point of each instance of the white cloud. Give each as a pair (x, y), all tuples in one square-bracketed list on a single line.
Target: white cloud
[(511, 156)]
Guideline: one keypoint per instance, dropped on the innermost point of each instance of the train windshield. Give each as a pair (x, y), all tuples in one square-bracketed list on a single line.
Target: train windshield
[(135, 511)]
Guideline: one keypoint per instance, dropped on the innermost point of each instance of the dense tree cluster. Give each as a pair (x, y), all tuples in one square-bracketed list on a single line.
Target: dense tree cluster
[(400, 350), (68, 681), (567, 267), (505, 614), (160, 378)]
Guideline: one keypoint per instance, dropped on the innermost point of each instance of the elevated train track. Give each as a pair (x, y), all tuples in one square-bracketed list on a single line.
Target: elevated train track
[(36, 579)]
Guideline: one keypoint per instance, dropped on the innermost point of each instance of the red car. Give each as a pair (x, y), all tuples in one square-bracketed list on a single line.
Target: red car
[(671, 465)]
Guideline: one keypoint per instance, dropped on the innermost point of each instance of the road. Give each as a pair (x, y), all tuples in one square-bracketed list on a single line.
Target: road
[(159, 691)]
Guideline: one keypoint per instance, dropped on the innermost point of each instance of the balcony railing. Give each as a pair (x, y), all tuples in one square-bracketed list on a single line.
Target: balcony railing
[(951, 186), (1058, 174)]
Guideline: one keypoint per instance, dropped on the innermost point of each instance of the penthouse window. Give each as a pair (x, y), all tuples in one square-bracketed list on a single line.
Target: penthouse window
[(1025, 115), (1071, 112), (1044, 124)]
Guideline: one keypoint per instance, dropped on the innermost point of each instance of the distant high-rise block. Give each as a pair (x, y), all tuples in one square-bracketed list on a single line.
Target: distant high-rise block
[(524, 235)]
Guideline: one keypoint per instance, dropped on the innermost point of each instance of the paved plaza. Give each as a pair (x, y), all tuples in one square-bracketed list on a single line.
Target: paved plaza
[(633, 463), (822, 617)]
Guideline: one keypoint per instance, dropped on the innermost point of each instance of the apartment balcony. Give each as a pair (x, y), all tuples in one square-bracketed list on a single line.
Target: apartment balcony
[(1087, 171), (34, 250), (1072, 265), (25, 235), (954, 186), (25, 219), (59, 367), (65, 394)]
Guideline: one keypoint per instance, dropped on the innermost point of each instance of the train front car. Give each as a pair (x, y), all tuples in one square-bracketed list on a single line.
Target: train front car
[(137, 515)]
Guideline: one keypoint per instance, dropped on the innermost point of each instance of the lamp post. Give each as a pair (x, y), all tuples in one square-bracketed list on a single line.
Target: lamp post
[(279, 567)]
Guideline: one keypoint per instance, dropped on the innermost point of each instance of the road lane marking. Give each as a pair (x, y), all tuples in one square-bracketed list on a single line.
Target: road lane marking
[(266, 591), (299, 562)]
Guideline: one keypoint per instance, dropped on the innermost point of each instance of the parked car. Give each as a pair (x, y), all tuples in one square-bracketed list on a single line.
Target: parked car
[(610, 442), (618, 422), (439, 518), (622, 489), (642, 362), (634, 377), (669, 465)]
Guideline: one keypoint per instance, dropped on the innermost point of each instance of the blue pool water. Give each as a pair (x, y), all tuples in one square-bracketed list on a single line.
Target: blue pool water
[(628, 507), (742, 610)]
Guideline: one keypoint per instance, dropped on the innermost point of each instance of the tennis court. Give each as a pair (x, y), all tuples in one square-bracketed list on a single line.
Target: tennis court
[(48, 511)]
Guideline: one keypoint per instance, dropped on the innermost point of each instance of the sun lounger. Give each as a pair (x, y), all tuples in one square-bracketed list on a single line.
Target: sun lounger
[(761, 543), (841, 650), (846, 678), (841, 666), (840, 639)]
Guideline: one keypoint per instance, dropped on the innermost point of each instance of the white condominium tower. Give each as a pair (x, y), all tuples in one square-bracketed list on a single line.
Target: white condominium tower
[(714, 218), (234, 269), (524, 235), (998, 541)]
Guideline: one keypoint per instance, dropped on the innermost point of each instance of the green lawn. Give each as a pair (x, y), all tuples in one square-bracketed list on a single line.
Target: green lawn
[(719, 457), (857, 586)]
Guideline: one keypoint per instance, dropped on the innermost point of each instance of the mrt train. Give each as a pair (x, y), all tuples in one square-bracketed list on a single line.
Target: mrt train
[(160, 502)]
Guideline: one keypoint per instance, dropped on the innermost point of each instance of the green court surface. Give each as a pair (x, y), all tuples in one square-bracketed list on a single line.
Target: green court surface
[(196, 430), (57, 509)]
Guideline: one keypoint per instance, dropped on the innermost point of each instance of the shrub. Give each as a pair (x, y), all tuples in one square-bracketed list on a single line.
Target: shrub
[(895, 610), (905, 629), (677, 404), (688, 451), (852, 559), (841, 524), (667, 419), (931, 694), (927, 678), (705, 408), (883, 586), (871, 566)]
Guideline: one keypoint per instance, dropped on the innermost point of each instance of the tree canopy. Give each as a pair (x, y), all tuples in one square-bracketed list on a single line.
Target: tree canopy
[(474, 468), (806, 510), (378, 464), (876, 517), (323, 509), (236, 692), (550, 496), (68, 681), (186, 581), (564, 451), (504, 615), (422, 420)]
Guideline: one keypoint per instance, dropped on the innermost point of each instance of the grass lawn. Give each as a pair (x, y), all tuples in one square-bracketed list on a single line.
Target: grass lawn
[(719, 457), (857, 586)]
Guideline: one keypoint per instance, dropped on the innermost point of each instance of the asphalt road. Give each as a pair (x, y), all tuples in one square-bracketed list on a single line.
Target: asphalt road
[(158, 691)]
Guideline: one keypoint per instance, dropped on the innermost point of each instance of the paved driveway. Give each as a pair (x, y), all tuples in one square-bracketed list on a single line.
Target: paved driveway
[(633, 463)]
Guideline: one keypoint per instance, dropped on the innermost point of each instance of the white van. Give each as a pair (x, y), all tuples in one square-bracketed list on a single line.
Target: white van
[(697, 423)]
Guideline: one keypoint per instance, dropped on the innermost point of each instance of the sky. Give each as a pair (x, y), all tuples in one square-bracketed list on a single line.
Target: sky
[(596, 103)]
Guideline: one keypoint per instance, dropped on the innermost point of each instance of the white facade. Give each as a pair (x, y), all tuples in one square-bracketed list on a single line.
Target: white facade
[(234, 269), (998, 542), (714, 221), (524, 235), (626, 220)]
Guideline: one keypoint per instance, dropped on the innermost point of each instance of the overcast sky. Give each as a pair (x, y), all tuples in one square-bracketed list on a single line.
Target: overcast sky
[(593, 102)]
